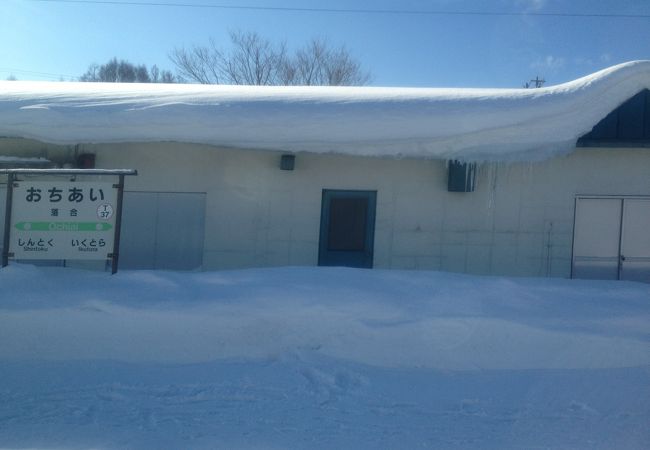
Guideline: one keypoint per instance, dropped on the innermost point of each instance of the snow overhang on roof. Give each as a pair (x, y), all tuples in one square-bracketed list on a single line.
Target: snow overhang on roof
[(468, 124)]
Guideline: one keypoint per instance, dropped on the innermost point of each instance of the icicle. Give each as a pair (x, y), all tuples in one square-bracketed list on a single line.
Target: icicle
[(530, 166), (505, 172), (492, 171), (549, 249)]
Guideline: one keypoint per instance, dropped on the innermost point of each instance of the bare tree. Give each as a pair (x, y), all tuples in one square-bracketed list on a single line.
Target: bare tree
[(343, 70), (255, 60), (307, 65), (155, 74), (167, 77), (200, 63), (162, 76), (92, 74), (319, 64), (115, 71)]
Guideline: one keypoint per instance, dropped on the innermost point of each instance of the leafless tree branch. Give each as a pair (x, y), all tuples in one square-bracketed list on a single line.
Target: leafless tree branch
[(254, 60)]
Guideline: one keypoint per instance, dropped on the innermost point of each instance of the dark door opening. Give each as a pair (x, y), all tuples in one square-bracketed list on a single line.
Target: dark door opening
[(347, 228)]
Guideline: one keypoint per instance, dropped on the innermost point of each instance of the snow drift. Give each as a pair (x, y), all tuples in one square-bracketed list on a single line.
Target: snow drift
[(470, 124), (321, 358), (380, 318)]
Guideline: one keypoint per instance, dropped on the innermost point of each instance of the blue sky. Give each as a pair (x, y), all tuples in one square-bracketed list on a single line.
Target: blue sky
[(48, 39)]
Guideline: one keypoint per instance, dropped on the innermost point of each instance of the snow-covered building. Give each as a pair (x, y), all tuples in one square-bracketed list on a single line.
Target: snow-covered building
[(541, 182)]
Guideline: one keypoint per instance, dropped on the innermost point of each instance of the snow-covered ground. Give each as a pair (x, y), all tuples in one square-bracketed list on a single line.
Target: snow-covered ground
[(321, 358)]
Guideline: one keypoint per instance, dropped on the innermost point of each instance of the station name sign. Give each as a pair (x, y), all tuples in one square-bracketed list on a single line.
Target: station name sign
[(63, 220)]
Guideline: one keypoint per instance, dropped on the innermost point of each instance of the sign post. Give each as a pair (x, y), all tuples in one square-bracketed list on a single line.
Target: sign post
[(5, 239), (63, 219), (118, 226)]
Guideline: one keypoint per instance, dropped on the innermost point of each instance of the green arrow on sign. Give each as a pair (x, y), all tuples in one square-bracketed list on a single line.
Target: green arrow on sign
[(63, 226)]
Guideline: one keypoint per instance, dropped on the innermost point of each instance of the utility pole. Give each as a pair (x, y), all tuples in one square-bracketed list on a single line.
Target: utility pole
[(536, 83)]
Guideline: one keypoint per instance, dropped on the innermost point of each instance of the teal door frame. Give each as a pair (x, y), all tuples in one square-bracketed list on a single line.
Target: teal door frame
[(347, 228)]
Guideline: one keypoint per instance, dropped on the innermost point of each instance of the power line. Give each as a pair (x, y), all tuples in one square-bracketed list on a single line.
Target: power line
[(353, 10), (11, 71)]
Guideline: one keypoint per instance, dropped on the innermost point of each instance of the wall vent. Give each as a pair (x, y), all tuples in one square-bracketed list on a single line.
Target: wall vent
[(287, 162)]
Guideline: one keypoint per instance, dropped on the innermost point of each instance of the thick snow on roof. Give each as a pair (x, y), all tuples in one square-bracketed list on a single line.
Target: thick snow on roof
[(470, 124)]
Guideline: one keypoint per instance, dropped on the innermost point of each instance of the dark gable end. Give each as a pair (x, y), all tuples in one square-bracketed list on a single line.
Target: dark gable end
[(627, 125)]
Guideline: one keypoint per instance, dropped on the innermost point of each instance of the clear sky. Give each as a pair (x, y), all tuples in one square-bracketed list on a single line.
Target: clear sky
[(49, 39)]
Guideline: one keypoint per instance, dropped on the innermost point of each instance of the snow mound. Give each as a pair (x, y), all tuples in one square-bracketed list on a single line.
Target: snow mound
[(379, 318), (321, 358), (469, 124)]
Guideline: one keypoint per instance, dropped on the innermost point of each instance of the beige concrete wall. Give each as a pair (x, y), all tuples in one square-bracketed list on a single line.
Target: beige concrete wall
[(519, 221)]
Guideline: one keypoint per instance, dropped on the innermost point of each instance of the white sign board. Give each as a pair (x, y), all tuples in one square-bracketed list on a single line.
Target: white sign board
[(62, 220)]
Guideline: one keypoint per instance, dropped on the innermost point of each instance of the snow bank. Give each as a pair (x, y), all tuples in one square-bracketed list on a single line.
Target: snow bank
[(321, 358), (470, 124), (379, 318)]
